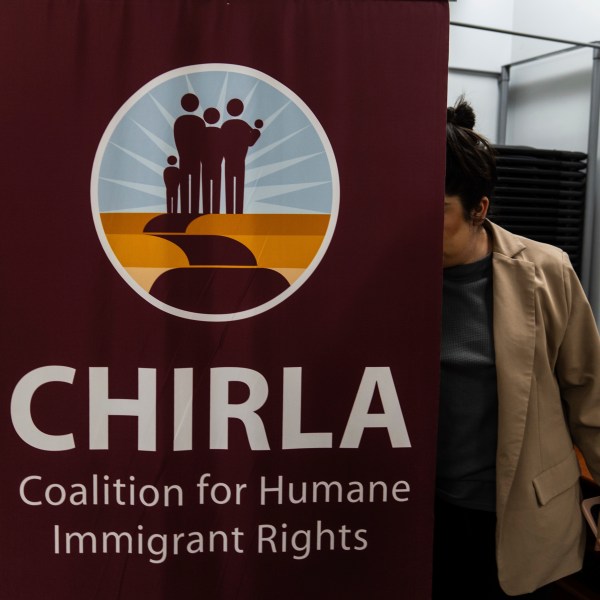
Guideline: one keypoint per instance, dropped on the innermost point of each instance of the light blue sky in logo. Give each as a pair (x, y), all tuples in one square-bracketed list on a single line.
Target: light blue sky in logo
[(288, 170)]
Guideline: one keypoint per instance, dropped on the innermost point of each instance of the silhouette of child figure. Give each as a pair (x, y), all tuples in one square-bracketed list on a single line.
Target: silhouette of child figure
[(189, 133), (238, 136), (212, 158), (172, 178)]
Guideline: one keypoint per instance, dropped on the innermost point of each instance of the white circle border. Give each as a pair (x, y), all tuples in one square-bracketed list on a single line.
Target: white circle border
[(335, 196)]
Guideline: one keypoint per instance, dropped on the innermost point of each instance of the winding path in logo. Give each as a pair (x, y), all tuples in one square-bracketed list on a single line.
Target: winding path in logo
[(211, 250), (214, 264), (218, 290), (226, 288)]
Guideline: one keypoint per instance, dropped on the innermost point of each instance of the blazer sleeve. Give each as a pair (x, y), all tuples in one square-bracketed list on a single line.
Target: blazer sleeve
[(578, 370)]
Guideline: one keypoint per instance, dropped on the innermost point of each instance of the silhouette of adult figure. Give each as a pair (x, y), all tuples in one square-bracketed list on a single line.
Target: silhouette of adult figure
[(189, 132), (172, 178), (212, 159), (238, 136)]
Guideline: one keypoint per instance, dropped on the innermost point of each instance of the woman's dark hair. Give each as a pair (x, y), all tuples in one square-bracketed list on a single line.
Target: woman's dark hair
[(470, 161)]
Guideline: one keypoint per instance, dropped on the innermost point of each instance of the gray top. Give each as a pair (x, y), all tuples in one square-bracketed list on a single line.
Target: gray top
[(468, 412)]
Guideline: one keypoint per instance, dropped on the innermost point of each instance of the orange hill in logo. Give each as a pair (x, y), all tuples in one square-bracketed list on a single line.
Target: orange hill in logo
[(215, 263)]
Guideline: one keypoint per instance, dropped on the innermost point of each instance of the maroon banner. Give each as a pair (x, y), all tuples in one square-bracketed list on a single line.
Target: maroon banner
[(221, 297)]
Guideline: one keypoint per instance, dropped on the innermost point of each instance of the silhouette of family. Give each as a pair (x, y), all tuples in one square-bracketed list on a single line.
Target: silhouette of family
[(194, 187)]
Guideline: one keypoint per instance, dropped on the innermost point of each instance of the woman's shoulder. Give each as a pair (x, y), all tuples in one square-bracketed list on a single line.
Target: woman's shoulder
[(524, 248)]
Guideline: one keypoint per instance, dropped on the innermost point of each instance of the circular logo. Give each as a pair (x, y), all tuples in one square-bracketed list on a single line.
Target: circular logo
[(215, 192)]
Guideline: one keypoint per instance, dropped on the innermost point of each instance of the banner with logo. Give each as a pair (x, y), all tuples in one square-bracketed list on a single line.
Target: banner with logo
[(221, 267)]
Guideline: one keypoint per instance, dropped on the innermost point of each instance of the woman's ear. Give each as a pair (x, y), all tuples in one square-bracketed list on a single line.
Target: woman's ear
[(479, 213)]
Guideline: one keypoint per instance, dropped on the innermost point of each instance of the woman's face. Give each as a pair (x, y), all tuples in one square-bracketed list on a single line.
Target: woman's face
[(462, 239)]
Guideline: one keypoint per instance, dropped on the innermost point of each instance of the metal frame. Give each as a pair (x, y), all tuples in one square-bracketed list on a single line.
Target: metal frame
[(590, 284)]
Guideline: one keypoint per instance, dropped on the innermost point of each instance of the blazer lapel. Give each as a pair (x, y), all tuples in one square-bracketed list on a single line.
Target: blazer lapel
[(514, 342)]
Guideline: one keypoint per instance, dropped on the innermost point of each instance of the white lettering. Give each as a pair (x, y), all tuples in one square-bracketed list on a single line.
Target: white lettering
[(225, 406), (292, 437), (183, 409), (221, 411), (101, 406), (391, 418), (22, 490), (20, 408)]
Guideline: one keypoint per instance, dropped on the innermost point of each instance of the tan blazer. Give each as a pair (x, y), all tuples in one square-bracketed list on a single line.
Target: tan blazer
[(548, 371)]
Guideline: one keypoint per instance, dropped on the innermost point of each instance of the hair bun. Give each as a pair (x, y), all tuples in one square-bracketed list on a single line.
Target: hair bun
[(461, 114)]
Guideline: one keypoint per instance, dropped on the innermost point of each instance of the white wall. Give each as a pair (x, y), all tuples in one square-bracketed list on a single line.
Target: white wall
[(550, 98), (480, 51)]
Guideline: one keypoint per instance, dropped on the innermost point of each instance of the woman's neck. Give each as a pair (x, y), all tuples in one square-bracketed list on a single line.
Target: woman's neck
[(478, 247)]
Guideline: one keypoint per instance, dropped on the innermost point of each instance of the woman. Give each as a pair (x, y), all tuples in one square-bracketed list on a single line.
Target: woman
[(520, 385)]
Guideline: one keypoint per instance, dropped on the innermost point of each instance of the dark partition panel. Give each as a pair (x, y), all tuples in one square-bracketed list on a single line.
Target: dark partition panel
[(541, 194)]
